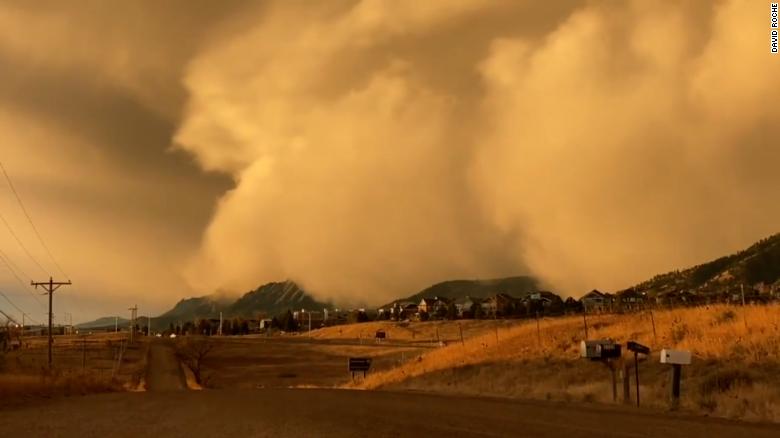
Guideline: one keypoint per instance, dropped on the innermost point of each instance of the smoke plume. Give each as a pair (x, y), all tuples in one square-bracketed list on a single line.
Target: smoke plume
[(378, 147)]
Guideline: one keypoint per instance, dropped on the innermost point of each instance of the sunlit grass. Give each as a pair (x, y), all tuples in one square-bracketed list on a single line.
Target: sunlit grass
[(724, 341)]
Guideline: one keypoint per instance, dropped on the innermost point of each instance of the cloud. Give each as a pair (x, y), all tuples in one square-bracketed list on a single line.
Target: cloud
[(379, 147), (89, 97)]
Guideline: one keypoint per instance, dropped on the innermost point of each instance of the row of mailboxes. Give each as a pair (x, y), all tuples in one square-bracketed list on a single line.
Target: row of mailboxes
[(605, 349)]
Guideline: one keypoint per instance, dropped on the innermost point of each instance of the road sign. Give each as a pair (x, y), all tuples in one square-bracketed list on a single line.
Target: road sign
[(358, 364)]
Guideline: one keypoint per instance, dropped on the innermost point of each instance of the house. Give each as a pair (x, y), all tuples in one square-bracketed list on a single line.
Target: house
[(572, 306), (675, 297), (542, 302), (499, 304), (440, 307), (426, 305), (465, 306), (594, 301), (402, 310), (630, 299), (433, 306)]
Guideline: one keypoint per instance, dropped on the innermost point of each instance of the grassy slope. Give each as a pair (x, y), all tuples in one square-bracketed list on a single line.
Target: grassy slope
[(430, 331), (734, 373)]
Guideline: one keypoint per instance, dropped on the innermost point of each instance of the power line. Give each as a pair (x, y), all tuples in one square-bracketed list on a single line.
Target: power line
[(29, 219), (19, 241), (14, 265), (9, 317), (4, 258), (20, 310), (13, 304)]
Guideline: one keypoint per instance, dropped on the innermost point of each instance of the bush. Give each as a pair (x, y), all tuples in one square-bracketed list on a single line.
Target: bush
[(726, 316), (725, 380)]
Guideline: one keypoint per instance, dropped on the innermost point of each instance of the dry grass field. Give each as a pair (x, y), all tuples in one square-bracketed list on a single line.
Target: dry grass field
[(734, 373), (293, 361), (82, 365), (430, 332)]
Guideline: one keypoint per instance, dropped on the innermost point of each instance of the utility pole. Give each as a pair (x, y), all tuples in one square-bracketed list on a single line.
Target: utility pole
[(116, 324), (50, 287), (133, 312), (742, 291)]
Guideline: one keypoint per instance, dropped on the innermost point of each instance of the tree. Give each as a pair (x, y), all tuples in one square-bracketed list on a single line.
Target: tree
[(193, 352), (287, 322), (424, 316), (357, 317), (477, 311), (227, 327), (235, 326), (452, 311), (204, 327)]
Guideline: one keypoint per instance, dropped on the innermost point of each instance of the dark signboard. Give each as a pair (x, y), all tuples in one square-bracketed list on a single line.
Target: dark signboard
[(359, 364)]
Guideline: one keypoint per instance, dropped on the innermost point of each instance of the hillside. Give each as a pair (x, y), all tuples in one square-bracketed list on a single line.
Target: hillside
[(733, 372), (515, 286), (189, 309), (273, 299), (104, 322), (267, 300), (758, 264)]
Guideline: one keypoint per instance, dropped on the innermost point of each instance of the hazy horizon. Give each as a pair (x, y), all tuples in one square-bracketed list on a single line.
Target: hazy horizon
[(369, 149)]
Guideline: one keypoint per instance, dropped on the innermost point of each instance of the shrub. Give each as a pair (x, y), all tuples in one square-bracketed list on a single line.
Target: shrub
[(726, 316)]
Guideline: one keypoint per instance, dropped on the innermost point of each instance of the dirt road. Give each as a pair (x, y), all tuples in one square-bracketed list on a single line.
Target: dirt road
[(343, 414), (163, 372)]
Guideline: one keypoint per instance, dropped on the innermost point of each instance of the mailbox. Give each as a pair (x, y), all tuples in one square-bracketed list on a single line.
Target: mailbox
[(600, 349), (676, 357), (636, 347)]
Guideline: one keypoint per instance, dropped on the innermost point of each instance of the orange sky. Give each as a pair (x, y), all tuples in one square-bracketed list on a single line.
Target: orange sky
[(367, 149)]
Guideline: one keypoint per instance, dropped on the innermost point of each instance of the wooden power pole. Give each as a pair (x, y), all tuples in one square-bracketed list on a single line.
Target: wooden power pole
[(50, 286)]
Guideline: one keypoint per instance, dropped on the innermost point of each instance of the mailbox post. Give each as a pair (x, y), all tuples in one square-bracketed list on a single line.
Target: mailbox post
[(638, 349), (605, 351), (676, 358)]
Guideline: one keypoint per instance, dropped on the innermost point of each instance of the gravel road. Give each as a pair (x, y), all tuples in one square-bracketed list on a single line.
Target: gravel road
[(344, 414)]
